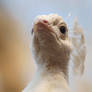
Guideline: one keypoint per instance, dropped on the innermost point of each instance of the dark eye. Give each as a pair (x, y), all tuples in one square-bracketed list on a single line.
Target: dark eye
[(32, 31), (63, 29)]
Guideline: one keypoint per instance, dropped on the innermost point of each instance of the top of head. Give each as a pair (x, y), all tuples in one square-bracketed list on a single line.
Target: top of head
[(53, 22), (50, 38)]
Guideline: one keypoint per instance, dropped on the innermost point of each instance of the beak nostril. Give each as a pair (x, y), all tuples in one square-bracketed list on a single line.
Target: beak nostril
[(45, 21)]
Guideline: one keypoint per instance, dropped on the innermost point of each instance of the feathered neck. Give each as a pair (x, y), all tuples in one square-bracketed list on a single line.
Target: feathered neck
[(54, 67)]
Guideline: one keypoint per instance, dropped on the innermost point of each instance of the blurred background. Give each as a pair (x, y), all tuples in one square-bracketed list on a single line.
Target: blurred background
[(16, 17)]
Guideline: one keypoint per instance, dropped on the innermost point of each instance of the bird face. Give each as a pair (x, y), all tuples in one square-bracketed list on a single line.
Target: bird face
[(50, 36)]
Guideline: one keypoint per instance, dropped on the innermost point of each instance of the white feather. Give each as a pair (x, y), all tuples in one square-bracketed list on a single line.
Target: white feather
[(79, 49)]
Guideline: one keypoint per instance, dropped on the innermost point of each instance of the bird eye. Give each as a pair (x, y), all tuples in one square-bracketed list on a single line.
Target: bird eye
[(32, 31), (63, 29)]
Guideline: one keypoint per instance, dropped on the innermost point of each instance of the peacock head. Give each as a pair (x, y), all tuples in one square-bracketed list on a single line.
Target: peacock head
[(50, 38)]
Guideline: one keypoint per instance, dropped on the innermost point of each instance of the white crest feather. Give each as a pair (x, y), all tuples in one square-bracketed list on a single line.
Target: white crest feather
[(79, 49)]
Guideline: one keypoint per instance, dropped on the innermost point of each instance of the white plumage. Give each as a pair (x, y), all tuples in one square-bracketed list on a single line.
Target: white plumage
[(52, 47)]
